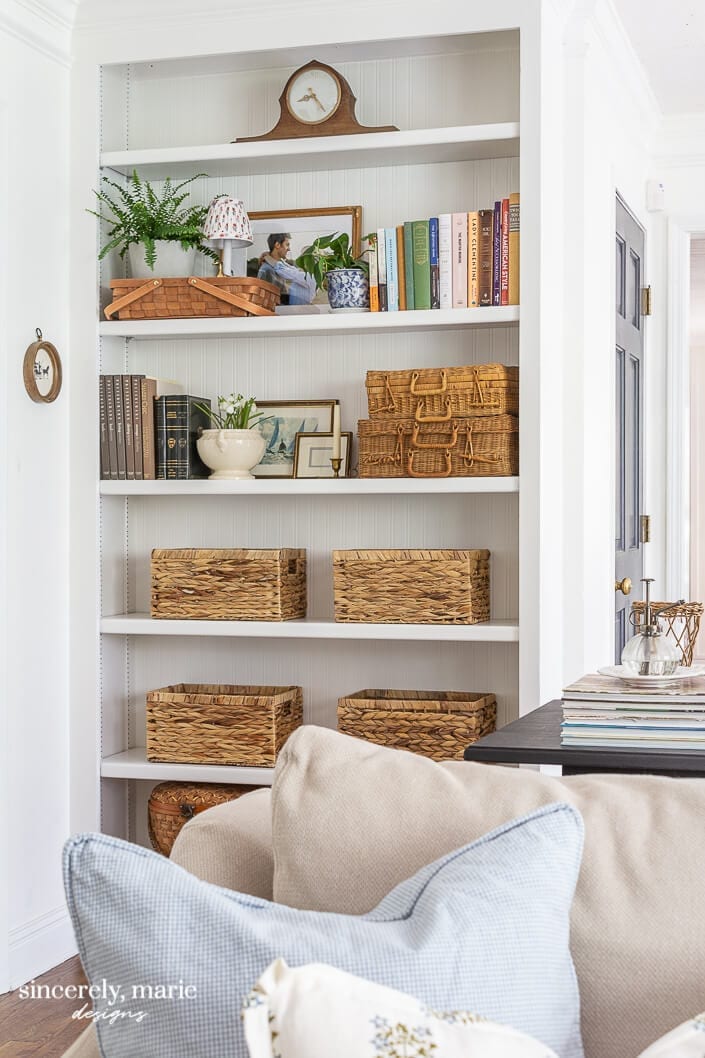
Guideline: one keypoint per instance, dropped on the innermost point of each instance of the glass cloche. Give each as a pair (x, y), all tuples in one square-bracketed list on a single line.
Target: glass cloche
[(650, 652)]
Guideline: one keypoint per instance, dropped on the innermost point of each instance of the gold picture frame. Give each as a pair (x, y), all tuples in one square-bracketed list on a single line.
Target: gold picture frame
[(313, 452), (282, 420)]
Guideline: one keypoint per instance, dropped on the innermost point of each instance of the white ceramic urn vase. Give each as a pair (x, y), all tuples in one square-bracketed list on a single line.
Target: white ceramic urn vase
[(231, 454), (172, 260)]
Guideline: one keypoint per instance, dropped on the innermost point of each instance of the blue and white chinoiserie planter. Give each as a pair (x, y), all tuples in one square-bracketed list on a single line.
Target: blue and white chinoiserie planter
[(348, 290)]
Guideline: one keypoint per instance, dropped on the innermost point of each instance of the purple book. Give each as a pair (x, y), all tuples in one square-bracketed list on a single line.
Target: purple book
[(497, 255)]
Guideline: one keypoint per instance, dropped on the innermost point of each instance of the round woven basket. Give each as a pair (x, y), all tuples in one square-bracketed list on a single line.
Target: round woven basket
[(171, 804), (681, 621)]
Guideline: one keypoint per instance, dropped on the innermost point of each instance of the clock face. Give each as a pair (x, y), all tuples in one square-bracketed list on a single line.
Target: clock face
[(313, 96)]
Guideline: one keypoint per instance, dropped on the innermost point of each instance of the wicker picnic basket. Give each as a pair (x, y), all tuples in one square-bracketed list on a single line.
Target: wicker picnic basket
[(436, 724), (171, 804), (438, 394), (229, 584), (467, 447), (206, 723), (160, 299), (682, 621), (412, 587)]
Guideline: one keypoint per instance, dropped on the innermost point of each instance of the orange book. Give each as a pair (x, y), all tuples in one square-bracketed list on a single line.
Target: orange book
[(473, 259), (374, 288), (401, 269)]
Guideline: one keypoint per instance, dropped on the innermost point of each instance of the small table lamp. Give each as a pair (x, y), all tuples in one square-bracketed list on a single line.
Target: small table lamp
[(227, 225)]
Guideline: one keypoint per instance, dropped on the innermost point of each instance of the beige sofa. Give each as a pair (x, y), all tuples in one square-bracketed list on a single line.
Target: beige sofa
[(346, 821)]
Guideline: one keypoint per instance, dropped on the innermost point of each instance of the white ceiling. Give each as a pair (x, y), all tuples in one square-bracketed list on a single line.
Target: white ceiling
[(669, 38)]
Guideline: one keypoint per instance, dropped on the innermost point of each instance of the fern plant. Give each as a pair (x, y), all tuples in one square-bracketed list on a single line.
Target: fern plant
[(138, 214)]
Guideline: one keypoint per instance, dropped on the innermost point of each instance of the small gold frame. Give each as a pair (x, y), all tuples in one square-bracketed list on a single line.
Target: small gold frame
[(32, 370)]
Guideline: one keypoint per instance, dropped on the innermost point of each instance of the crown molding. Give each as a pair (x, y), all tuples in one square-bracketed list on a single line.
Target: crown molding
[(43, 25)]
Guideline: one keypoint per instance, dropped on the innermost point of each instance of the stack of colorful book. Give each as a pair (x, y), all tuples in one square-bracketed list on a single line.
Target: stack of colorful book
[(607, 712), (452, 261)]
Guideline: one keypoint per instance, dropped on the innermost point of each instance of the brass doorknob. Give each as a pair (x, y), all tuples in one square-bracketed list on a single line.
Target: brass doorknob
[(625, 585)]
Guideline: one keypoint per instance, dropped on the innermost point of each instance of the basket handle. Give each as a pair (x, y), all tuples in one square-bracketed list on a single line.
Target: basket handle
[(231, 299), (416, 443), (469, 457), (433, 418), (133, 295), (428, 392), (435, 474)]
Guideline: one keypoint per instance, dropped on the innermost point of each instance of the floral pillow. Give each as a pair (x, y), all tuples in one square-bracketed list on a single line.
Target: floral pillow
[(687, 1041), (315, 1011)]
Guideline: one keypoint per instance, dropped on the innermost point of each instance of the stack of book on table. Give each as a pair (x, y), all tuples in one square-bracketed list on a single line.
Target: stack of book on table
[(606, 712)]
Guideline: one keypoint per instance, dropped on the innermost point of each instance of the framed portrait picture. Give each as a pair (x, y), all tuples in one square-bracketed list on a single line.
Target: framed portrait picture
[(284, 419), (313, 451), (280, 236)]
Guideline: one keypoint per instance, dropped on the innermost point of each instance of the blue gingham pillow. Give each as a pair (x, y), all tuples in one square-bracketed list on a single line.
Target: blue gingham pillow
[(485, 928)]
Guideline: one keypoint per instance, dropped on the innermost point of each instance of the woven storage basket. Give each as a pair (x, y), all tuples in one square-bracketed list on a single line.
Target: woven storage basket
[(171, 804), (437, 724), (159, 299), (412, 587), (472, 447), (229, 584), (682, 621), (428, 394), (205, 723)]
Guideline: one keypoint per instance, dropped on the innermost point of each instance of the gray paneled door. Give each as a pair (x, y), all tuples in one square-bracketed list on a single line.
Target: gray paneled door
[(629, 361)]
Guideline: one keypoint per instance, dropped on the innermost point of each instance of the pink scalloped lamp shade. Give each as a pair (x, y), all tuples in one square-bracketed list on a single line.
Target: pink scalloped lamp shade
[(227, 220)]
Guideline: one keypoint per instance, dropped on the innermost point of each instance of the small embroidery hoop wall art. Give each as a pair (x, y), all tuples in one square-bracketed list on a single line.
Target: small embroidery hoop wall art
[(42, 371)]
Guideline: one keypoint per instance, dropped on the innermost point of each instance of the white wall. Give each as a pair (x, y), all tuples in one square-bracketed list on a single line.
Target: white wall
[(34, 482), (609, 122)]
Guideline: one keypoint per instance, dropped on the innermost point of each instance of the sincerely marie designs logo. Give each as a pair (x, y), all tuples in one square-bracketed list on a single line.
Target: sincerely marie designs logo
[(100, 999)]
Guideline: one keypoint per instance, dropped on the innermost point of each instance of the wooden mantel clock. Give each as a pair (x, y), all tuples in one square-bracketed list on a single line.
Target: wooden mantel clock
[(316, 101)]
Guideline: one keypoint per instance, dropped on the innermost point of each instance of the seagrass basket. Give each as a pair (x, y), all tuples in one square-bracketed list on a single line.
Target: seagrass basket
[(430, 394), (471, 447), (158, 299), (436, 724), (681, 620), (229, 584), (205, 723), (171, 804), (412, 587)]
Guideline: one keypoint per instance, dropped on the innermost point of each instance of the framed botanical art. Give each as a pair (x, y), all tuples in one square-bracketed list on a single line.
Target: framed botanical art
[(313, 452), (283, 420)]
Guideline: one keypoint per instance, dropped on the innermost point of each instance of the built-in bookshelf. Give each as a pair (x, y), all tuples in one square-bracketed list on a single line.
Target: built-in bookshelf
[(156, 117)]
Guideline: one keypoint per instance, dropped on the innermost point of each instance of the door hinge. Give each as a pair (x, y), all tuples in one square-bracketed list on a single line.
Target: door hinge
[(646, 306), (645, 529)]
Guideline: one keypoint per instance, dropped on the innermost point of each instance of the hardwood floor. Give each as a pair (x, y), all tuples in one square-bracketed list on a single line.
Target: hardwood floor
[(41, 1028)]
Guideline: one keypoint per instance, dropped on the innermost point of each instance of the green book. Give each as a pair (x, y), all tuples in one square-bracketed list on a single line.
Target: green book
[(176, 420), (422, 264), (409, 265)]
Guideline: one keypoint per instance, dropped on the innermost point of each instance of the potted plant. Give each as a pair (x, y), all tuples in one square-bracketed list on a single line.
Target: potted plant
[(335, 269), (154, 228), (234, 445)]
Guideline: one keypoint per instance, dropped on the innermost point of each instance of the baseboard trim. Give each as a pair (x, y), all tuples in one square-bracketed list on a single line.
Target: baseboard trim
[(40, 945)]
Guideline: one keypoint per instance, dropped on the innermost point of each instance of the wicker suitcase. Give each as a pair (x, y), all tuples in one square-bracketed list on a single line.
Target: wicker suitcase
[(436, 724), (229, 584), (412, 587), (171, 804), (158, 299), (439, 394), (472, 447), (204, 723)]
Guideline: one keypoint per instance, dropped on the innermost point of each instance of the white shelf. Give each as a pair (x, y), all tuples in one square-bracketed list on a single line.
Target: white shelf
[(141, 624), (313, 487), (410, 147), (329, 323), (133, 764)]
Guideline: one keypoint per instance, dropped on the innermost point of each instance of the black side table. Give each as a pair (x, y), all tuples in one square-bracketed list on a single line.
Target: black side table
[(536, 739)]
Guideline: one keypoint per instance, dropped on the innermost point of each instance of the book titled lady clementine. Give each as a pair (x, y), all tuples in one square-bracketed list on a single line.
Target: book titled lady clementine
[(473, 259)]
